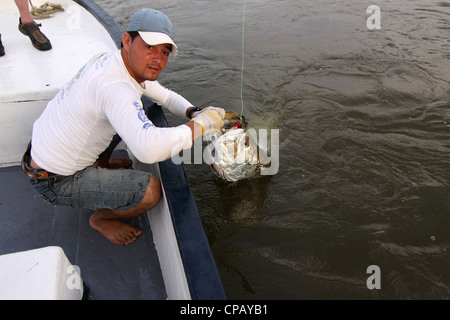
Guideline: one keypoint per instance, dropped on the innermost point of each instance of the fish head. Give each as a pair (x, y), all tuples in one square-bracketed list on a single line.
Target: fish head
[(233, 120)]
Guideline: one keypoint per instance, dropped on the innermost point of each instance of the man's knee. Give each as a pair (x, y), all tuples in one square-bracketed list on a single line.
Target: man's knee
[(153, 193)]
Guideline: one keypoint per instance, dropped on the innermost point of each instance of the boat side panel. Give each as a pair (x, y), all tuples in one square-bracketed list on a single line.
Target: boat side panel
[(166, 242), (200, 268)]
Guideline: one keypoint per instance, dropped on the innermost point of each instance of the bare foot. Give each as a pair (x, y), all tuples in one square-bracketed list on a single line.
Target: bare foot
[(115, 230)]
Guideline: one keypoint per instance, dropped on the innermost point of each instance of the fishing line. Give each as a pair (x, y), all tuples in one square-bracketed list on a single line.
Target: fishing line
[(242, 65)]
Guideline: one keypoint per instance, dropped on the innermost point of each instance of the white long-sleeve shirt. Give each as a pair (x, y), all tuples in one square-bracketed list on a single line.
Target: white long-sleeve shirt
[(102, 99)]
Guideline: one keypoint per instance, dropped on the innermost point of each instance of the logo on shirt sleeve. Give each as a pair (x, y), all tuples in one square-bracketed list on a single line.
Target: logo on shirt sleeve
[(137, 105), (142, 116), (148, 125)]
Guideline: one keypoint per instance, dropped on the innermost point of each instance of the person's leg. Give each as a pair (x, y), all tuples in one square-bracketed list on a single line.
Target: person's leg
[(24, 11), (112, 194), (30, 28), (107, 221)]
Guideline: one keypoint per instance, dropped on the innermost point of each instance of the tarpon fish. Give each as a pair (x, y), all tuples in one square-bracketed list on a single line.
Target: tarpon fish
[(233, 153)]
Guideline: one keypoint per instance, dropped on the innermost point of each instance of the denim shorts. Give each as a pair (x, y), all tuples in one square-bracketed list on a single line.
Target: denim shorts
[(95, 188)]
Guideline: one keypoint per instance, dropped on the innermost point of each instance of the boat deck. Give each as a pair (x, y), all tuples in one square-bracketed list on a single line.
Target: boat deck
[(109, 271), (180, 265)]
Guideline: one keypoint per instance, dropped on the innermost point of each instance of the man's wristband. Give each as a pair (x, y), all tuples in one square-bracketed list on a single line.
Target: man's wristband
[(192, 110)]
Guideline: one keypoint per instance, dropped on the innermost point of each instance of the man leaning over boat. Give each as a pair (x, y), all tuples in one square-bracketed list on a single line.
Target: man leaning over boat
[(67, 159)]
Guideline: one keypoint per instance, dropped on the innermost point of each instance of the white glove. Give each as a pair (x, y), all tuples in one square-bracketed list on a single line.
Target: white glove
[(219, 110), (209, 118)]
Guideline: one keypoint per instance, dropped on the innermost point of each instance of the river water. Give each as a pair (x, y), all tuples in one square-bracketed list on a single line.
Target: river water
[(362, 194)]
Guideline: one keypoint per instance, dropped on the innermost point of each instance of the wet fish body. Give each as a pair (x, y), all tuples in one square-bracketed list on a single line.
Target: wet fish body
[(233, 154)]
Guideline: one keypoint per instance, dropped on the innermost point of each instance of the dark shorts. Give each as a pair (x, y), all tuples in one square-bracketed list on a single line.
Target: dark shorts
[(96, 188)]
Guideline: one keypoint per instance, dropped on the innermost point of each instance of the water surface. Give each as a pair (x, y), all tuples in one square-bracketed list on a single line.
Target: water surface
[(364, 120)]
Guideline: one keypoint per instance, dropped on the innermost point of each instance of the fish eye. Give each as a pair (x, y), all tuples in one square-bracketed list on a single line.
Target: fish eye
[(247, 142)]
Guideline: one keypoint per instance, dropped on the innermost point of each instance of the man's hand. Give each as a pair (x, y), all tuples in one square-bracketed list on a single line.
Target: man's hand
[(220, 110), (209, 118)]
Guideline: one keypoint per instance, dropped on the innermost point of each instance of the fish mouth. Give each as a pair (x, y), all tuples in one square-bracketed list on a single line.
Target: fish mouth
[(233, 120)]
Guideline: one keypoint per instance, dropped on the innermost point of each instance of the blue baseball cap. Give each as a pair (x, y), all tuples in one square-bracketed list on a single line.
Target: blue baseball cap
[(154, 27)]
